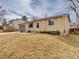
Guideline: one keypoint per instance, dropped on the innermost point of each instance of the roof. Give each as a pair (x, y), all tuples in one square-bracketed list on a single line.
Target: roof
[(15, 19), (47, 18), (51, 17)]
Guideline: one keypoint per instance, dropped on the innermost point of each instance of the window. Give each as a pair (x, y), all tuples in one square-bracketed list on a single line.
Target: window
[(10, 22), (37, 25), (30, 25), (51, 22)]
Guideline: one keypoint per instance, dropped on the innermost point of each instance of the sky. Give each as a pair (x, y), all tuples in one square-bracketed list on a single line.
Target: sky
[(36, 8)]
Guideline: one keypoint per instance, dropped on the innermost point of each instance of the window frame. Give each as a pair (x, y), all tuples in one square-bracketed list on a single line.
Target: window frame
[(31, 25), (37, 25), (50, 22)]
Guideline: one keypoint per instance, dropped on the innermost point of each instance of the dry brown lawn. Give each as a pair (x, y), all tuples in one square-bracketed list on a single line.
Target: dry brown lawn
[(36, 46), (1, 30)]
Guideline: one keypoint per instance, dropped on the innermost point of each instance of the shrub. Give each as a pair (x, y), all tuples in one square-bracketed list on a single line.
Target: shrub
[(51, 32), (8, 30)]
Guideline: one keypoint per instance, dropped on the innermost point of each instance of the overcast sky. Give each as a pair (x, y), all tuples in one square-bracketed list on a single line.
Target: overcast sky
[(38, 8)]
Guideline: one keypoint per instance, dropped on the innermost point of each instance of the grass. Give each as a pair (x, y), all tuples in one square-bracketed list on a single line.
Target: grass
[(36, 46), (1, 30), (73, 39)]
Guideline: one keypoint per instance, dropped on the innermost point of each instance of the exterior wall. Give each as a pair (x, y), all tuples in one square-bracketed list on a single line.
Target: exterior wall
[(16, 23), (26, 27), (42, 25), (66, 25), (22, 27), (7, 27), (11, 23), (60, 24), (57, 25)]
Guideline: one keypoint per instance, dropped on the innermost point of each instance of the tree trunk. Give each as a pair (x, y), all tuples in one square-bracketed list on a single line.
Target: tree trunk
[(78, 21)]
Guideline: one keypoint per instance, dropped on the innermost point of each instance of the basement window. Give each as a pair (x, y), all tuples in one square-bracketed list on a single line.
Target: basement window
[(30, 25), (51, 22)]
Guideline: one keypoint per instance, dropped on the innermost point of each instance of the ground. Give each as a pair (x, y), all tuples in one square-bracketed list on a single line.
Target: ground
[(1, 30), (38, 46)]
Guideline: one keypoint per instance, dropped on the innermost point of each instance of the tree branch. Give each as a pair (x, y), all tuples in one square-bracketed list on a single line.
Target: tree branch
[(73, 3), (77, 1), (74, 10)]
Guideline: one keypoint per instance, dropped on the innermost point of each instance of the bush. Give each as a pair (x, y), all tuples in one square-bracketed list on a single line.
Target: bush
[(51, 32), (8, 30)]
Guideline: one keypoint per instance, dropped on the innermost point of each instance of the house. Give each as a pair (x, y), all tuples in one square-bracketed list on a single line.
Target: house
[(54, 23), (7, 27), (15, 23)]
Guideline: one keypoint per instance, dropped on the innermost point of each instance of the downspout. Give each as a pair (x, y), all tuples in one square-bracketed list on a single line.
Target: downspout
[(64, 31)]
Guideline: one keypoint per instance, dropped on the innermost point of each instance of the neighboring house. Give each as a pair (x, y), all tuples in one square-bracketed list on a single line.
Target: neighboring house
[(73, 25), (54, 23), (7, 27), (15, 23), (74, 28)]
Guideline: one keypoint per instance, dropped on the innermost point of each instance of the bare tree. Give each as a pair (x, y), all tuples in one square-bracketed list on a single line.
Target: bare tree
[(2, 12), (4, 22), (74, 5)]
